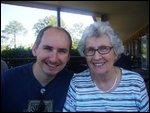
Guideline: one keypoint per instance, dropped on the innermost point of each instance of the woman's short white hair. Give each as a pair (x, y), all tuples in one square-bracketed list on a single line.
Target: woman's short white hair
[(98, 29)]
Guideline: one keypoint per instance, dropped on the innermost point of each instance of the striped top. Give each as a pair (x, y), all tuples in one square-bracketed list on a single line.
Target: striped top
[(129, 96)]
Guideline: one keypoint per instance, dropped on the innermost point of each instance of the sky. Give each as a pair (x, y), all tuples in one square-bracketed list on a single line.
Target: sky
[(29, 16)]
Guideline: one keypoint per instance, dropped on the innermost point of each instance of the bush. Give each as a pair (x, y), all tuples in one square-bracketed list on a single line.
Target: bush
[(18, 56), (20, 52), (74, 52)]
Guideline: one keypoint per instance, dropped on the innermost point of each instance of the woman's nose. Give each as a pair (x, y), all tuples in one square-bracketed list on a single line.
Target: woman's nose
[(97, 55)]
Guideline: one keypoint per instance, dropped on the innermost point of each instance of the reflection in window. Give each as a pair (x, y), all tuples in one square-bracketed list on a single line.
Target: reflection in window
[(144, 50)]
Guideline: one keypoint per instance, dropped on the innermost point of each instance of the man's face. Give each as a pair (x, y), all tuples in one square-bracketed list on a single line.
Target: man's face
[(53, 52)]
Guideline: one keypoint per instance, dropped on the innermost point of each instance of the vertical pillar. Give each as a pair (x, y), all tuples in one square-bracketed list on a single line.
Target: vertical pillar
[(58, 17)]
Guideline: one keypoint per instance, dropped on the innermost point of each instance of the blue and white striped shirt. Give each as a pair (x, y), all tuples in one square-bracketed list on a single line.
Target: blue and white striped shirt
[(129, 96)]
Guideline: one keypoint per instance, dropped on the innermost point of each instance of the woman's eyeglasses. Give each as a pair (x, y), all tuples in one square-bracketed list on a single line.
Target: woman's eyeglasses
[(101, 50)]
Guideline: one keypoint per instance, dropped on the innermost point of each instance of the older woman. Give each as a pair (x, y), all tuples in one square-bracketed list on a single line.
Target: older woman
[(105, 87)]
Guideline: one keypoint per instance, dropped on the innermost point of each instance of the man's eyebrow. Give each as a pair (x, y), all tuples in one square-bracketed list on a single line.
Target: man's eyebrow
[(50, 47), (63, 49), (47, 46)]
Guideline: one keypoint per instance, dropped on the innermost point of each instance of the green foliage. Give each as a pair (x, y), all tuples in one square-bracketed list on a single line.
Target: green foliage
[(74, 52), (4, 47), (52, 21), (41, 24), (19, 56), (76, 32), (4, 38), (20, 52), (13, 28), (75, 43)]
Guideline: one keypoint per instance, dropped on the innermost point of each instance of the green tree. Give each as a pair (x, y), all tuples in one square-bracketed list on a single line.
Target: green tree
[(13, 28), (4, 39), (52, 21), (76, 32)]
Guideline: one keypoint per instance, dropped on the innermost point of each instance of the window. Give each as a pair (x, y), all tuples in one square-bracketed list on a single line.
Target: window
[(144, 49), (75, 24), (27, 17), (33, 19)]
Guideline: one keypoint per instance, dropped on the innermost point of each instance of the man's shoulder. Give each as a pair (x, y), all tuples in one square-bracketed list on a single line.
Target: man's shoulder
[(67, 71), (65, 74)]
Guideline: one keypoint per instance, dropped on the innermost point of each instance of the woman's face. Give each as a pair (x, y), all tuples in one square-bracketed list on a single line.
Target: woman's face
[(100, 63)]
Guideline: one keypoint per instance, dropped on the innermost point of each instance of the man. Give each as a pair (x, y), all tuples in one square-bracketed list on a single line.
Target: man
[(40, 86)]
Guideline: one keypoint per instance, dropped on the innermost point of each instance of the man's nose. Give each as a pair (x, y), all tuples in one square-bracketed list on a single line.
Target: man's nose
[(54, 56)]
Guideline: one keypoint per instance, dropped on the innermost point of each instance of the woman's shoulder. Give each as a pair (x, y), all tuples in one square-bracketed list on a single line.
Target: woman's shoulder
[(83, 73), (128, 74)]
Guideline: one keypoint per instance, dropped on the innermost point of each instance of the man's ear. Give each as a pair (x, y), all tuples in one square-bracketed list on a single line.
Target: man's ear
[(69, 57), (34, 49)]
